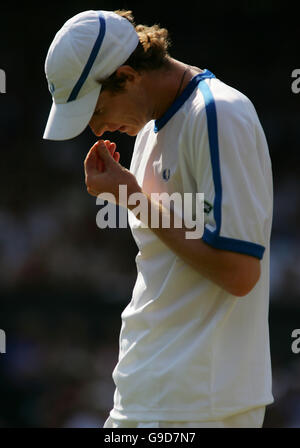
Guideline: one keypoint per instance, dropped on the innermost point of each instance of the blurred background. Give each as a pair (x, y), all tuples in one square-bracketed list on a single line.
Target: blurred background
[(63, 281)]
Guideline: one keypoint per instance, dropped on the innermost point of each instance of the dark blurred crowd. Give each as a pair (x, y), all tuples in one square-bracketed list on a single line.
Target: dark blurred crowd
[(64, 282)]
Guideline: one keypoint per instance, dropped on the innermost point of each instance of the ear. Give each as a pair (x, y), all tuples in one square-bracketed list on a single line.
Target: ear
[(128, 73)]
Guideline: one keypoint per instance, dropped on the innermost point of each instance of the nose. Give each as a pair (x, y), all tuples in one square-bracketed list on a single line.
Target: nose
[(99, 131)]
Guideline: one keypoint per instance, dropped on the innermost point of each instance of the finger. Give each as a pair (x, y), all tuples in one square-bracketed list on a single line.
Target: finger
[(100, 164), (92, 192), (107, 143), (117, 156), (94, 148), (91, 161), (111, 146), (104, 154), (111, 150)]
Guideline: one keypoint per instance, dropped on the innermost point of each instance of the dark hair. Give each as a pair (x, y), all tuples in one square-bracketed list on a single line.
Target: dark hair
[(151, 52)]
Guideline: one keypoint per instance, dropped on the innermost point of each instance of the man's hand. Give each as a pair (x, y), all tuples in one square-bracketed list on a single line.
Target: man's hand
[(104, 174)]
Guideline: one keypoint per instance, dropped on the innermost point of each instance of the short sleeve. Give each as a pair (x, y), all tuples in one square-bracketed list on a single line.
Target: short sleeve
[(234, 172)]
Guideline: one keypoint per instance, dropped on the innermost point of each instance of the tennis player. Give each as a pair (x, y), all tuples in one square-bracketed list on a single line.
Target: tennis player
[(194, 342)]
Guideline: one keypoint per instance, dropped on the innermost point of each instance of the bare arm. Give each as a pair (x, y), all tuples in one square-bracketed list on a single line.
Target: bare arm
[(236, 273)]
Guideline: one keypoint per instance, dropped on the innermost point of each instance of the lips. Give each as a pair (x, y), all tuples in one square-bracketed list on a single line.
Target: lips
[(116, 128), (102, 130)]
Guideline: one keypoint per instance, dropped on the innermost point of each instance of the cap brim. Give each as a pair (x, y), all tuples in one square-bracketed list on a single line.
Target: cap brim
[(68, 120)]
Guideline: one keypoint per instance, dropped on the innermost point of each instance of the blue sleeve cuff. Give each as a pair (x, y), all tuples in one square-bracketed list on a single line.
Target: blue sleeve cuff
[(233, 245)]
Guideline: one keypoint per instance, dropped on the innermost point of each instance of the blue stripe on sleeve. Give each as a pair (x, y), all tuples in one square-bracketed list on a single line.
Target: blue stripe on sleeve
[(213, 238), (212, 127), (234, 245)]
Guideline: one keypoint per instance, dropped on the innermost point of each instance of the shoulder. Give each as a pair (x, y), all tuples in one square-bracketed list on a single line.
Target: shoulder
[(144, 133), (214, 96), (230, 103)]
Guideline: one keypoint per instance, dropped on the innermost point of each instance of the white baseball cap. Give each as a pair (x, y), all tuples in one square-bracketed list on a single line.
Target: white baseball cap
[(90, 46)]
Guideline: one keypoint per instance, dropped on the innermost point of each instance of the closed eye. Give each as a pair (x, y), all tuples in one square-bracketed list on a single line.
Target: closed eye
[(99, 111)]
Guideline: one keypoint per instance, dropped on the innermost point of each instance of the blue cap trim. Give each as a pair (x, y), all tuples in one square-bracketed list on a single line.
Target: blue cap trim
[(91, 60)]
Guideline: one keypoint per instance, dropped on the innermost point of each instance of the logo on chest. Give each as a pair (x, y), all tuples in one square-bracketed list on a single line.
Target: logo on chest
[(166, 174)]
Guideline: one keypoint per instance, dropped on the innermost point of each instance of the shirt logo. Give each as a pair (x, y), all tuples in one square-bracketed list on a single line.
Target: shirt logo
[(51, 87), (166, 174), (207, 207)]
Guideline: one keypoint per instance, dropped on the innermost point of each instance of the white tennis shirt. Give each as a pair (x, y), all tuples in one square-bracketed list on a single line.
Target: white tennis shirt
[(189, 350)]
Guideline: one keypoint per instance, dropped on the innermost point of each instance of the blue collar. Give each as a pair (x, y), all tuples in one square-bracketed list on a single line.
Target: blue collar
[(158, 124)]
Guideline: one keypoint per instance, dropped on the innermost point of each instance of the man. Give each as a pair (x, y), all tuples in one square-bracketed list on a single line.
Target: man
[(194, 342)]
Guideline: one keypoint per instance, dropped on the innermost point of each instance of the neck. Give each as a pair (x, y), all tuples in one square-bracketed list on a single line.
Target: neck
[(166, 84)]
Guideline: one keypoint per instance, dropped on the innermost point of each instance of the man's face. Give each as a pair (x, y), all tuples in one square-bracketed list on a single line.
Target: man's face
[(127, 111)]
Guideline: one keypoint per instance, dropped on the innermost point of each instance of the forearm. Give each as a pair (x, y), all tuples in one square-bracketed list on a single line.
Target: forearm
[(236, 273)]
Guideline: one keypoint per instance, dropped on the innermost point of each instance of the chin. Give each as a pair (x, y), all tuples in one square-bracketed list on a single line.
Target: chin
[(132, 133), (134, 130)]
